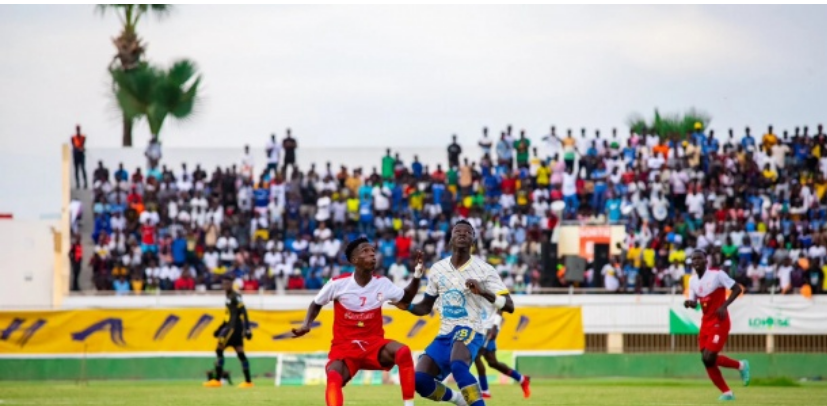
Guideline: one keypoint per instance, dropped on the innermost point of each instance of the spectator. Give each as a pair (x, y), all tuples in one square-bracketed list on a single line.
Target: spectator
[(289, 145), (295, 281), (611, 276), (505, 153), (79, 157), (522, 146), (121, 286), (398, 273), (388, 165), (250, 284), (485, 142), (273, 150), (75, 259), (672, 195), (454, 150), (153, 152), (185, 281)]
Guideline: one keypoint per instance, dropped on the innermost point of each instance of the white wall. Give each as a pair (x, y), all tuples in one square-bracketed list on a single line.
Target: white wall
[(30, 183), (28, 264)]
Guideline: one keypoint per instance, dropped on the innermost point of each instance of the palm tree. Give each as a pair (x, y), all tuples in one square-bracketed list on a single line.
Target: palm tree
[(130, 50), (154, 93), (669, 125)]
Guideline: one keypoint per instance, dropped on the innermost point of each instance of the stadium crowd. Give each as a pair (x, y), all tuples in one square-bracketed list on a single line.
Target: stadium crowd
[(755, 204)]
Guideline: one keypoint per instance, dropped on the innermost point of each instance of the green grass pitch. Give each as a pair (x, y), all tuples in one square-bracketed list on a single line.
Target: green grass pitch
[(609, 392)]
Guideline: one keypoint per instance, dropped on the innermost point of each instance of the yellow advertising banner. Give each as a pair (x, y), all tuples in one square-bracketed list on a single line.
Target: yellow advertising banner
[(190, 330)]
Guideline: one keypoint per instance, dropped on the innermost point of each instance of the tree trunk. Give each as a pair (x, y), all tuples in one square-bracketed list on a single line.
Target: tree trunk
[(127, 131)]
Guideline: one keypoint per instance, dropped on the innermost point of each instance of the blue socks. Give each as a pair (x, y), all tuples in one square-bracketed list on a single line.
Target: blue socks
[(483, 382), (467, 383), (430, 388), (515, 375)]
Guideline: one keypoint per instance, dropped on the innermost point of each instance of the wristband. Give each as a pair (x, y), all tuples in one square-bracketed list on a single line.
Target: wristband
[(498, 320), (410, 307), (419, 271), (499, 302)]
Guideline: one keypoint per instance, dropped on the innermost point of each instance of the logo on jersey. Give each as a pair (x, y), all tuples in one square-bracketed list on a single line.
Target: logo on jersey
[(359, 316), (380, 297), (453, 304)]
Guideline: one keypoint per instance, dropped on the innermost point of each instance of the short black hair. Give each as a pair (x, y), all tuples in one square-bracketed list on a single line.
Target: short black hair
[(227, 277), (467, 223), (353, 245)]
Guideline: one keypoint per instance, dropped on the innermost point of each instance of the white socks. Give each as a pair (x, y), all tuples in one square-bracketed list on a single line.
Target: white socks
[(740, 365), (457, 399), (409, 402)]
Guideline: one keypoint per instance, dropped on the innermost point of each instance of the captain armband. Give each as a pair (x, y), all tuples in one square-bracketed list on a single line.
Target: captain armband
[(499, 302)]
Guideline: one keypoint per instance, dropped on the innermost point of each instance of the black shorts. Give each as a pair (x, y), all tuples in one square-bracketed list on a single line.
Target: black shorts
[(233, 337)]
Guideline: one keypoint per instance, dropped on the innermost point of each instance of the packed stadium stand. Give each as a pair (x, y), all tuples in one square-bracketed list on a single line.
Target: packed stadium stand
[(756, 204)]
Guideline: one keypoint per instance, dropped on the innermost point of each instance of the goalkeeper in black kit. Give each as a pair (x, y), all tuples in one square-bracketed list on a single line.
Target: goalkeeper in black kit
[(231, 333)]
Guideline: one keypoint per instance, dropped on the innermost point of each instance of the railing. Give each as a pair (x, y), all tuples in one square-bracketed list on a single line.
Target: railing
[(675, 343), (184, 293), (571, 290)]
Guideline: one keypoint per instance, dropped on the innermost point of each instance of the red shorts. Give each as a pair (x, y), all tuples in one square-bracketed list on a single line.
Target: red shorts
[(713, 335), (358, 355)]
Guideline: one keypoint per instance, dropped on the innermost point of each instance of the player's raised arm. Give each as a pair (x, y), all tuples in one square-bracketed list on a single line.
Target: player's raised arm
[(426, 305), (413, 286)]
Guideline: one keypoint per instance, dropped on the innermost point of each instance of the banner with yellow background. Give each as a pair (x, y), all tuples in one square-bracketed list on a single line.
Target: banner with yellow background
[(191, 330)]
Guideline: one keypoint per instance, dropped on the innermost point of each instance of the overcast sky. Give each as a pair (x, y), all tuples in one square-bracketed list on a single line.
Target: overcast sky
[(412, 76)]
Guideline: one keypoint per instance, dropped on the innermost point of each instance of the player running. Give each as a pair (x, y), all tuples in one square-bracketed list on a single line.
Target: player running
[(493, 321), (231, 333), (466, 286), (359, 341), (709, 287)]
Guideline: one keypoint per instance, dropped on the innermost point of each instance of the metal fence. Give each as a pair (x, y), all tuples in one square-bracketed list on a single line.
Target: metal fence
[(688, 343)]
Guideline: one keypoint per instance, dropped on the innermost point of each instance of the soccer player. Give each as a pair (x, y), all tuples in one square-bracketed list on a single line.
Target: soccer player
[(359, 341), (231, 333), (709, 287), (466, 286), (488, 352)]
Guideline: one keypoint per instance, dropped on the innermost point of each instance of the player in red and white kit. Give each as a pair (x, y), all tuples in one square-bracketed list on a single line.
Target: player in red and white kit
[(709, 287), (358, 337)]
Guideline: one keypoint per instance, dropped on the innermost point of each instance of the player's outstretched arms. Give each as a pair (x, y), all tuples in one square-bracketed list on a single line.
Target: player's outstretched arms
[(425, 306), (312, 313), (502, 302)]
